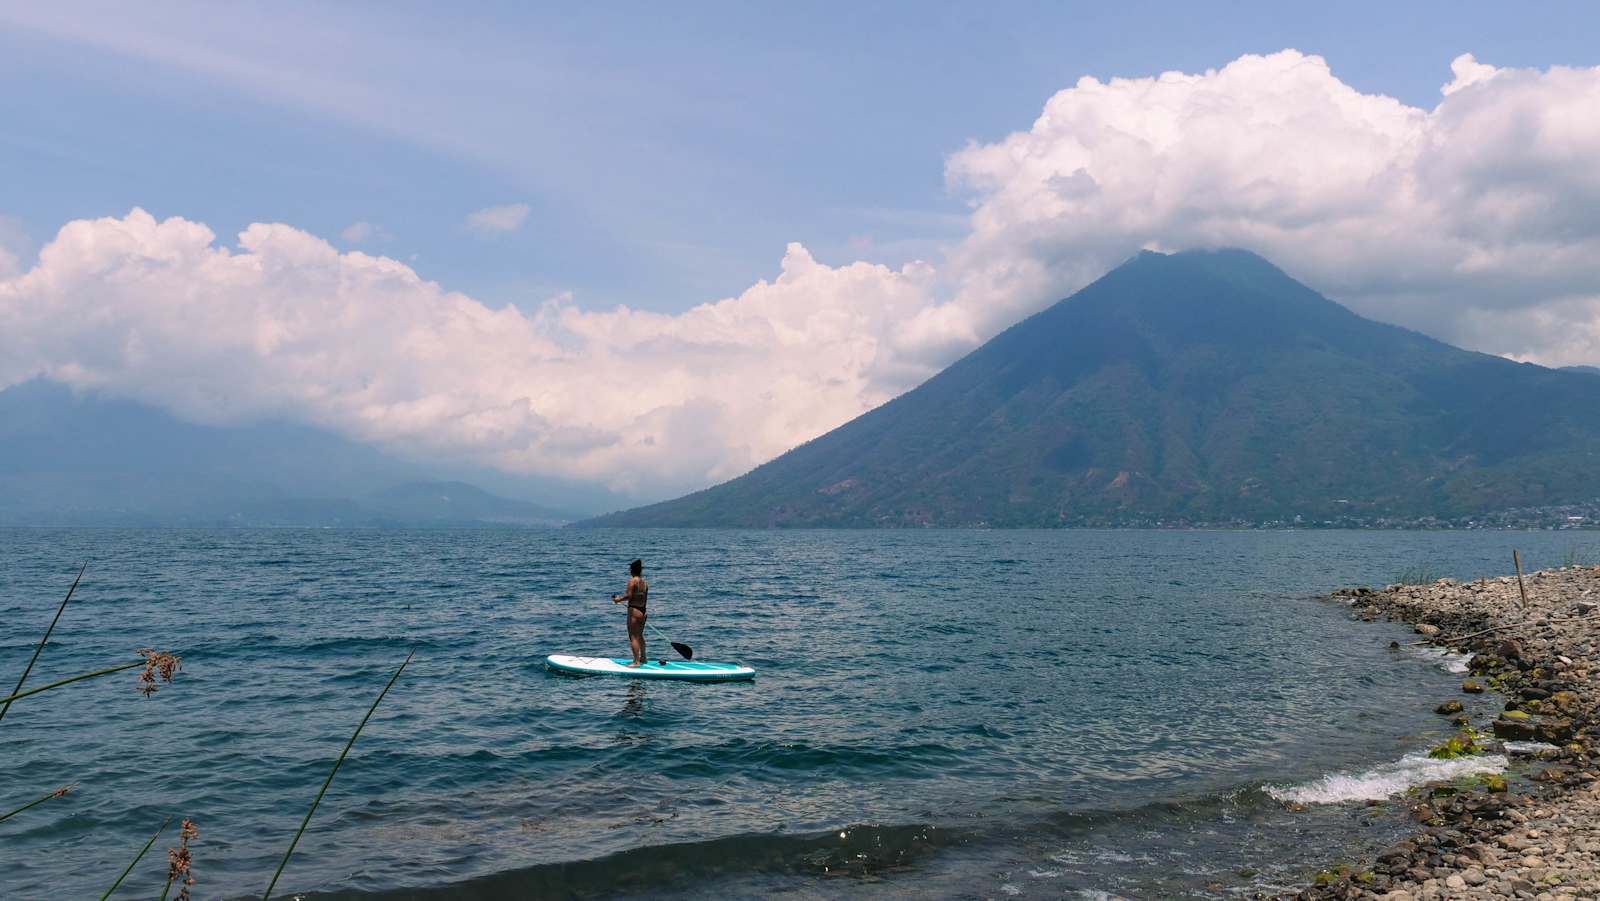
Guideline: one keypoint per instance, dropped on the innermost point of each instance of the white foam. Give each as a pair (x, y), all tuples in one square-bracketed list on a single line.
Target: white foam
[(1106, 855), (1444, 658), (1527, 747), (1387, 780)]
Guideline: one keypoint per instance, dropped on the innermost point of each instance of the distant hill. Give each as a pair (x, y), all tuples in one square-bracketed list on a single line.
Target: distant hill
[(446, 503), (1200, 387), (71, 460)]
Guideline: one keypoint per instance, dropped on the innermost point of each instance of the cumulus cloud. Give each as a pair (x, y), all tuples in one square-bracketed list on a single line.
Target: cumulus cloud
[(1477, 220), (496, 219), (1468, 71), (1490, 201), (286, 325)]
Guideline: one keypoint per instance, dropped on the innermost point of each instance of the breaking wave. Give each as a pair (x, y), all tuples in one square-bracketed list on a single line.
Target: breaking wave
[(1387, 780)]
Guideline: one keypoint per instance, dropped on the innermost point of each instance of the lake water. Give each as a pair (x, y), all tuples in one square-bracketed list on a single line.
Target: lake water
[(936, 714)]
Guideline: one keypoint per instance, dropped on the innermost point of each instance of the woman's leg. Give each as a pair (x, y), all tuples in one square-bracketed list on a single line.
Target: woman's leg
[(636, 635)]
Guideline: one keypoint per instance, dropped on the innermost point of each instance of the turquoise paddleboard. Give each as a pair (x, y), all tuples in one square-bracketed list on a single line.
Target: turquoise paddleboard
[(684, 670)]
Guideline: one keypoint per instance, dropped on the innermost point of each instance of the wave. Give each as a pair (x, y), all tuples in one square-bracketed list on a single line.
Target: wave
[(1387, 780), (857, 851), (1444, 658), (1093, 845)]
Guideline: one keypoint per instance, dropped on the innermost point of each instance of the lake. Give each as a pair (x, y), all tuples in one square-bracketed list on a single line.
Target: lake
[(936, 714)]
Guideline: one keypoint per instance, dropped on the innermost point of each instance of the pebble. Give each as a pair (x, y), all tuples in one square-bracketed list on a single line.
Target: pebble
[(1541, 840)]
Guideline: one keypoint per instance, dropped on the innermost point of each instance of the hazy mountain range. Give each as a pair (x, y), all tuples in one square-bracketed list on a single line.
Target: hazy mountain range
[(1205, 387), (88, 460), (1199, 387)]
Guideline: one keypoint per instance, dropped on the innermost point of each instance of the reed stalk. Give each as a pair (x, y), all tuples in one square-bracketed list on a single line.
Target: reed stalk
[(155, 663), (42, 642), (329, 781), (1516, 561), (55, 794), (136, 858), (68, 681)]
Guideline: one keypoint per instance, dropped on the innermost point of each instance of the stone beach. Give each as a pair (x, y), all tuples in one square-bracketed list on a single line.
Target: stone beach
[(1535, 833)]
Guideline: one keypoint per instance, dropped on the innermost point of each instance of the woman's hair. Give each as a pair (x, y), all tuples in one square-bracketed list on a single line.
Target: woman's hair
[(636, 567)]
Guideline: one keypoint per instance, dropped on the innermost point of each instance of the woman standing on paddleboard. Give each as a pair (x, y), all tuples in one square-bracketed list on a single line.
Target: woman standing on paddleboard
[(637, 592)]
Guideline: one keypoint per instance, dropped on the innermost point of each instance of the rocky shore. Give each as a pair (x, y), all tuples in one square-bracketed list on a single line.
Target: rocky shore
[(1534, 834)]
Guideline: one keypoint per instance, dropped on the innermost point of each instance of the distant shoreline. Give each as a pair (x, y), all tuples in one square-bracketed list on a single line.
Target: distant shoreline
[(585, 526)]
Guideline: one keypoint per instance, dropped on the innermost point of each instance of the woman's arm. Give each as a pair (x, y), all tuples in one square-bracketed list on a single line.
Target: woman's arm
[(627, 593)]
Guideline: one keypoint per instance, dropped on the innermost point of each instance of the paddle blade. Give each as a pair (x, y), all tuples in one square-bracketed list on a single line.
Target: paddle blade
[(685, 650)]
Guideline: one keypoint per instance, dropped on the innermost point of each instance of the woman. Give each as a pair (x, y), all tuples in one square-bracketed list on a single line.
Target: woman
[(637, 592)]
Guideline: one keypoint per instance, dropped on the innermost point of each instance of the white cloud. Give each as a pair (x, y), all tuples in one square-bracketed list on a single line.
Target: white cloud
[(1468, 71), (495, 219), (1477, 220), (286, 325), (364, 233), (1489, 201)]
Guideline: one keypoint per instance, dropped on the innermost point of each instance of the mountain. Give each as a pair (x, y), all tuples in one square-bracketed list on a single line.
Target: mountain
[(1199, 387), (90, 460), (446, 503)]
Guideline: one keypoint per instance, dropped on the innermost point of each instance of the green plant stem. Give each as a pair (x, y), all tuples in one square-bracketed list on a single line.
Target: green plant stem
[(55, 794), (68, 681), (45, 640), (138, 857), (329, 781)]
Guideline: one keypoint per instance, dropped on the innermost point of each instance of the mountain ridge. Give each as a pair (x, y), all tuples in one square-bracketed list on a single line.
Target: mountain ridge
[(73, 460), (1198, 387)]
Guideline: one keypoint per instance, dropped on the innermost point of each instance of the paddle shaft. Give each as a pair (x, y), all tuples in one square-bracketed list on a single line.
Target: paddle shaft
[(683, 650)]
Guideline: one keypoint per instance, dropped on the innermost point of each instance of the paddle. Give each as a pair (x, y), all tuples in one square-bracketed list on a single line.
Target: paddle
[(684, 650), (680, 647)]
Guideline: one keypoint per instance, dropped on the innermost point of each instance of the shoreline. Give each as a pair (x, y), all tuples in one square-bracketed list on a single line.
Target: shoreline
[(1535, 834)]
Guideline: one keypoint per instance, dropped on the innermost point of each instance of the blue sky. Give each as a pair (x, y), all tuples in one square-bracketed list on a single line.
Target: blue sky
[(666, 154), (642, 248)]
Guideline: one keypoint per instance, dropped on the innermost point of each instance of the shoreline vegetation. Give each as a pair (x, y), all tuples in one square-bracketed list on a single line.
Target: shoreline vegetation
[(1536, 835)]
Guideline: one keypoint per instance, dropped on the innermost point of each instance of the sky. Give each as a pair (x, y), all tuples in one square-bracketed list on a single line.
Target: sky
[(646, 248)]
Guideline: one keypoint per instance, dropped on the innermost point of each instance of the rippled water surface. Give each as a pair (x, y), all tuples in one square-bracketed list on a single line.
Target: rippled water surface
[(946, 714)]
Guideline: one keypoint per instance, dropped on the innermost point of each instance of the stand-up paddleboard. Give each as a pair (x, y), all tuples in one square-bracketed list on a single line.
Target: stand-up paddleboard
[(685, 670)]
